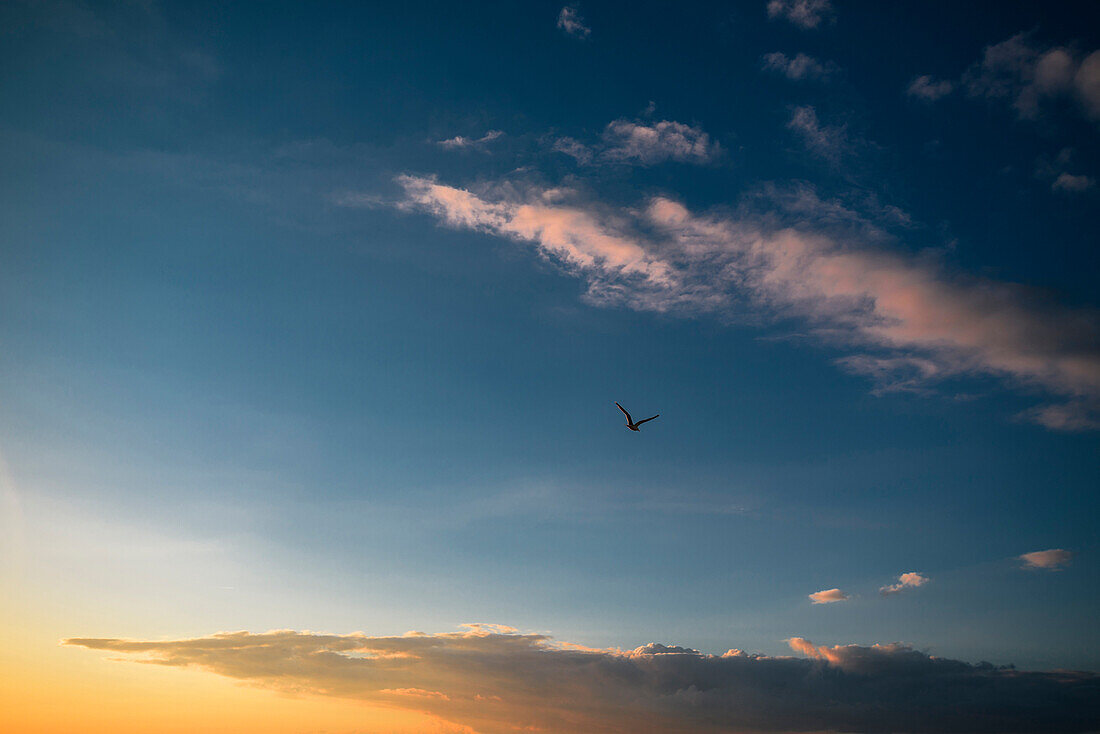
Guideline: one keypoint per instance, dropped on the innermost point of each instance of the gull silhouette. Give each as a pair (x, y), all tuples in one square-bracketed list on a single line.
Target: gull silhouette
[(630, 421)]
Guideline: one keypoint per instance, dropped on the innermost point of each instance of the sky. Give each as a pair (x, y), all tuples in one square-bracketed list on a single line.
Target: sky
[(313, 318)]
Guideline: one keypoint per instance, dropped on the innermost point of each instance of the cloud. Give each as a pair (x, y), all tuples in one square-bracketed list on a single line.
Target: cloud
[(900, 314), (666, 140), (459, 141), (800, 68), (1071, 183), (909, 580), (1028, 75), (570, 21), (1053, 560), (828, 596), (929, 90), (644, 143), (803, 13), (496, 680), (825, 141)]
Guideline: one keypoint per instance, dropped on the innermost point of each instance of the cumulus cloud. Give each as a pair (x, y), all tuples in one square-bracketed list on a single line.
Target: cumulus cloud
[(496, 680), (825, 141), (803, 13), (1054, 559), (459, 141), (800, 68), (570, 21), (828, 596), (909, 580), (1027, 74), (928, 89), (897, 312)]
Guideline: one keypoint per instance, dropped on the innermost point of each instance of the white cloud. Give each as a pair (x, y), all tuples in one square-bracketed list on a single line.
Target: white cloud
[(928, 89), (803, 13), (800, 68), (828, 596), (1052, 560), (570, 21), (459, 141), (909, 580), (897, 313), (496, 680)]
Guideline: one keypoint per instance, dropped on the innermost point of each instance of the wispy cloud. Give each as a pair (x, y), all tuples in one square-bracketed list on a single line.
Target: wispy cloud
[(644, 143), (1052, 560), (570, 21), (829, 142), (460, 141), (897, 311), (806, 14), (909, 580), (927, 89), (800, 68), (494, 679), (828, 596)]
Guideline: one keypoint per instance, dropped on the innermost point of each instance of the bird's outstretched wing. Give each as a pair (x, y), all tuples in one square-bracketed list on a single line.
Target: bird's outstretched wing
[(647, 419), (628, 418)]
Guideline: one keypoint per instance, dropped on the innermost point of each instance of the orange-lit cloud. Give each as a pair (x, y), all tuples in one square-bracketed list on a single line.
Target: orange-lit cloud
[(905, 581), (828, 596), (1052, 560), (496, 680), (911, 321)]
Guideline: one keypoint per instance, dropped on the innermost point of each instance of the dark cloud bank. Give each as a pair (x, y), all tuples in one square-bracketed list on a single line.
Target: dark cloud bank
[(494, 679)]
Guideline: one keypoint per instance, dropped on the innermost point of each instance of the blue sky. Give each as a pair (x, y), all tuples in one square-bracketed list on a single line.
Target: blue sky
[(247, 325)]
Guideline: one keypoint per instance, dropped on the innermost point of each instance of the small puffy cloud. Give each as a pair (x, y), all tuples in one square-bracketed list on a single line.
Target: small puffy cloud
[(803, 13), (909, 580), (570, 21), (927, 89), (1071, 183), (828, 596), (1053, 560), (666, 140), (459, 141), (800, 68), (496, 680), (1068, 417), (829, 142), (644, 143)]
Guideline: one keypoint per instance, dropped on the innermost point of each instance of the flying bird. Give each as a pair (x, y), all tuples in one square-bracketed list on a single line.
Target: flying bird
[(630, 421)]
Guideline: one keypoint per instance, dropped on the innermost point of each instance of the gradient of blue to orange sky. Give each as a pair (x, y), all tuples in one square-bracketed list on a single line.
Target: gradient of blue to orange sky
[(313, 317)]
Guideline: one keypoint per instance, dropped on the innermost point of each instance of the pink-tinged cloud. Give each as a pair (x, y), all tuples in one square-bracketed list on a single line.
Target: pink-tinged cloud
[(644, 143), (806, 14), (828, 596), (496, 682), (1030, 75), (570, 21), (799, 68), (1054, 559), (927, 89), (825, 141), (910, 321), (905, 581)]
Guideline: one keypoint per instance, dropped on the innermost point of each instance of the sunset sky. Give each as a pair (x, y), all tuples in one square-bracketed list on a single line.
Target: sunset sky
[(313, 317)]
